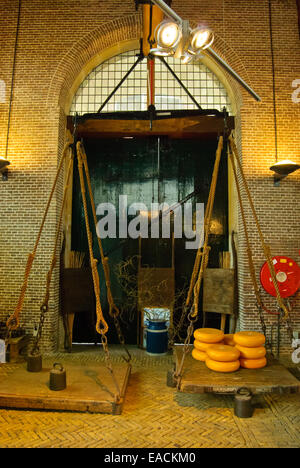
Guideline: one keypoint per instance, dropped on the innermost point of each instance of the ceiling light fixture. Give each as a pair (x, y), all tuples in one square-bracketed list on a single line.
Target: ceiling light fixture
[(167, 36), (201, 38), (172, 37), (171, 14)]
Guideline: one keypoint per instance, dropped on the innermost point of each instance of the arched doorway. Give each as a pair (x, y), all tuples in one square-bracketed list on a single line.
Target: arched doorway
[(162, 159)]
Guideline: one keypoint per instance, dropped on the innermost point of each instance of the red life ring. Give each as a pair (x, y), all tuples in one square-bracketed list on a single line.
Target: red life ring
[(287, 274)]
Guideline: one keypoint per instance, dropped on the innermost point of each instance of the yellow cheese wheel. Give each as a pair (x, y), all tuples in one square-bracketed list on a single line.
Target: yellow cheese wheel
[(223, 353), (251, 353), (253, 363), (222, 366), (208, 335), (201, 345), (199, 355), (250, 339), (228, 339)]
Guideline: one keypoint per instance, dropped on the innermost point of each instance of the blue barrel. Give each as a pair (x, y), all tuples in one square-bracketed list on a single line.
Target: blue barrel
[(157, 337)]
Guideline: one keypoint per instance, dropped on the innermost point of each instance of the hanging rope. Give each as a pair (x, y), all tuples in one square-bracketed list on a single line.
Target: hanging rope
[(114, 311), (101, 324), (201, 262), (265, 247), (284, 312), (259, 302), (13, 321), (45, 305)]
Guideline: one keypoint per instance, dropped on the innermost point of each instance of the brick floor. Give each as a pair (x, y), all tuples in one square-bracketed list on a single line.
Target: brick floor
[(156, 416)]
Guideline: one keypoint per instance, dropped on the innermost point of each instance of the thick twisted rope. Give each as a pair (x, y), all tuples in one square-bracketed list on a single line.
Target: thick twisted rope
[(13, 321), (265, 247)]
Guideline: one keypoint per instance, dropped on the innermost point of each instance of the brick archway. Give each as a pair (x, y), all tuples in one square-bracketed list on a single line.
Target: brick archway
[(116, 37), (74, 63)]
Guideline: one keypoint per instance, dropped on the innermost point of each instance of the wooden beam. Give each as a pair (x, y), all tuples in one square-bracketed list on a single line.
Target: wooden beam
[(186, 127)]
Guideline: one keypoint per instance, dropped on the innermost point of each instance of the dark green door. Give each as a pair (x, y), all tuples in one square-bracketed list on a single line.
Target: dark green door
[(147, 170)]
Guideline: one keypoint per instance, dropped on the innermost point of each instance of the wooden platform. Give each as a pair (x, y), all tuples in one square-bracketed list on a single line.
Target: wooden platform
[(90, 388), (197, 378)]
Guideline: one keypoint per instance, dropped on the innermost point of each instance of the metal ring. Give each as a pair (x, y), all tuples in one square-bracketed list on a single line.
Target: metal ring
[(58, 364), (244, 391)]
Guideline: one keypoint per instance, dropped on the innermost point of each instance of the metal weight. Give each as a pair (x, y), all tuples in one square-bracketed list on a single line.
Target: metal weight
[(34, 363), (58, 378), (243, 407)]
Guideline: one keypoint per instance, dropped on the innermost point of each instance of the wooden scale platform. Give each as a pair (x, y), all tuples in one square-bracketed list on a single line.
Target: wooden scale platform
[(90, 387), (197, 378)]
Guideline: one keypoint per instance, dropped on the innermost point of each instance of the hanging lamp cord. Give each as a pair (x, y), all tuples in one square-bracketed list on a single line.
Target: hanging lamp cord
[(13, 78), (273, 80)]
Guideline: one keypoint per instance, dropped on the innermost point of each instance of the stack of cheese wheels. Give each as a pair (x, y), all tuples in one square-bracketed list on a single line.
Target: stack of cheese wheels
[(223, 358), (204, 338), (252, 350), (228, 339)]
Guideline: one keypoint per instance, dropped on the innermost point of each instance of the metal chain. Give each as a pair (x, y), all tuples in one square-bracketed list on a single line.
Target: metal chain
[(109, 365), (186, 347), (263, 325), (289, 323)]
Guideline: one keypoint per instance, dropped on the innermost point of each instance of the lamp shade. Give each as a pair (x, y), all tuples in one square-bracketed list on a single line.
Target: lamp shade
[(201, 38), (168, 34), (3, 163), (162, 52), (284, 167)]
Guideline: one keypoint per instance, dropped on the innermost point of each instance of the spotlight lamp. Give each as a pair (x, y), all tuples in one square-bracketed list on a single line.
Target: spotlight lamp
[(201, 38), (195, 41), (177, 38), (168, 35)]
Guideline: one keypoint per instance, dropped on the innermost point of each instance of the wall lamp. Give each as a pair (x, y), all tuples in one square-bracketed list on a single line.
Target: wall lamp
[(283, 169), (4, 168)]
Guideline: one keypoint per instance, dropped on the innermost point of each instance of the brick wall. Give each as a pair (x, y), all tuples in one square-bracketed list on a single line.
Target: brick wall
[(57, 39)]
